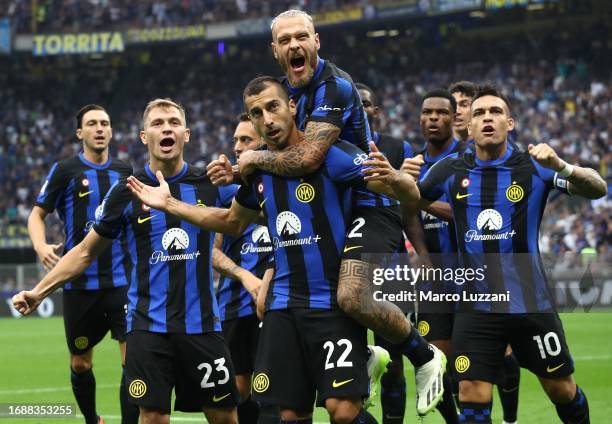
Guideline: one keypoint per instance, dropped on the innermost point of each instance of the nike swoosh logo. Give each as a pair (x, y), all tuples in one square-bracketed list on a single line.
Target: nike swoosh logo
[(142, 220), (462, 196), (262, 203), (81, 194), (216, 399), (549, 369), (347, 249), (335, 384)]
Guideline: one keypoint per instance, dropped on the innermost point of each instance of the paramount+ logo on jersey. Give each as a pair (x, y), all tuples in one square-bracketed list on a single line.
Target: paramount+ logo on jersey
[(288, 228), (175, 242), (489, 224), (260, 241)]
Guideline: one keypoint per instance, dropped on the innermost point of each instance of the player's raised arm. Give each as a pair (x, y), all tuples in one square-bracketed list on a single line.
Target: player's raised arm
[(72, 264), (231, 221), (293, 161), (585, 182)]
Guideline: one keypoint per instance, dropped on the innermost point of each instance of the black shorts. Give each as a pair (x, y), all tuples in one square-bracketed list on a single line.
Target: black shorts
[(375, 231), (304, 353), (89, 314), (537, 340), (197, 366), (435, 326), (241, 336)]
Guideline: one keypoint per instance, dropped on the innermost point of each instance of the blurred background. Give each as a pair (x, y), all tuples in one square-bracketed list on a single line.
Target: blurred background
[(553, 58)]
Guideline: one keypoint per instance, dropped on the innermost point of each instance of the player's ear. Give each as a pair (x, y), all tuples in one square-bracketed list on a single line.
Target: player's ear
[(317, 41), (292, 108), (79, 133), (469, 129), (274, 50), (187, 135), (510, 124), (143, 137)]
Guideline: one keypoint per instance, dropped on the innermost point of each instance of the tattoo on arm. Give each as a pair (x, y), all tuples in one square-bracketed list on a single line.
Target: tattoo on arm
[(303, 158), (587, 182)]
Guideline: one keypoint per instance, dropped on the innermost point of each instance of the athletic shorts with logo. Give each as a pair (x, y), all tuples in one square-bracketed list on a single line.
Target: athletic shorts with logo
[(90, 314), (537, 340), (308, 353), (241, 335), (435, 326), (197, 366)]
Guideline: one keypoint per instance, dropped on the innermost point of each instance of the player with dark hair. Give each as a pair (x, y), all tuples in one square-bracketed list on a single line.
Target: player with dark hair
[(243, 263), (94, 303), (308, 345), (463, 92), (173, 328), (498, 195), (510, 374), (328, 108), (435, 322)]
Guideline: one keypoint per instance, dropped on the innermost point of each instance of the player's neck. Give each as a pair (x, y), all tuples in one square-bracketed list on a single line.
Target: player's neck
[(435, 149), (168, 168), (99, 158), (491, 152), (462, 136)]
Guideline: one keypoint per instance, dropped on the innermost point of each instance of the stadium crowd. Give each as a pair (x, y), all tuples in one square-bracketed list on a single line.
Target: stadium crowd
[(559, 89), (73, 15)]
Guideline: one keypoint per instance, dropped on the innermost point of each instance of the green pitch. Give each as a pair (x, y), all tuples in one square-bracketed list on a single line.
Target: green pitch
[(34, 368)]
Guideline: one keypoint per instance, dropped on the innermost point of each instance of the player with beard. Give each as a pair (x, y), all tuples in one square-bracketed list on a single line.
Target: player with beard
[(94, 303), (328, 108), (510, 375), (308, 345), (498, 195), (174, 336), (243, 263)]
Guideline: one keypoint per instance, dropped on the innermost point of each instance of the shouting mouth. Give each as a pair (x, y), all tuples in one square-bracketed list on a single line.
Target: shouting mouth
[(166, 144)]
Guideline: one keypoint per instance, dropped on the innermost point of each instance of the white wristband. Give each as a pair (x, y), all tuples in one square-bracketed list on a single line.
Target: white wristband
[(567, 170)]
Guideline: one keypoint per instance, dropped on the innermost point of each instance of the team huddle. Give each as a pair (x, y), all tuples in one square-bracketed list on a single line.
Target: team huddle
[(295, 229)]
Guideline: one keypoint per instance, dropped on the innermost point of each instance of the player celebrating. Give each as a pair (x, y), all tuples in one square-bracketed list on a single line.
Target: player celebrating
[(94, 303), (498, 196), (174, 333), (510, 375), (242, 262), (328, 108), (307, 344)]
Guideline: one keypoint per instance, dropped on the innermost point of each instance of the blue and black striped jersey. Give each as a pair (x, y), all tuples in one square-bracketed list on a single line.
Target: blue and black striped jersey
[(439, 234), (307, 219), (76, 187), (498, 207), (253, 252), (172, 281), (332, 97)]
